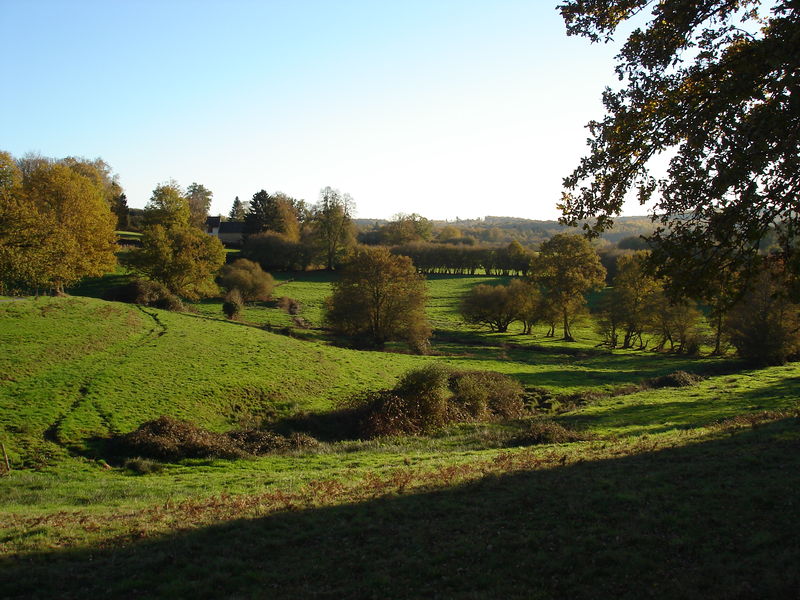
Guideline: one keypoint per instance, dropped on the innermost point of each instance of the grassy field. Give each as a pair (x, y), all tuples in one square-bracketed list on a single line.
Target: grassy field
[(676, 492)]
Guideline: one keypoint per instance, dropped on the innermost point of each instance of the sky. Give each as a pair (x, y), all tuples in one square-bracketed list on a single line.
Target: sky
[(448, 109)]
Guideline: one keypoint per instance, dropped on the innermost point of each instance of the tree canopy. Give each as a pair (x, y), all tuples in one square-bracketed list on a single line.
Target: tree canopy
[(380, 297), (273, 212), (713, 85), (175, 252), (56, 225), (565, 269), (332, 223), (199, 197)]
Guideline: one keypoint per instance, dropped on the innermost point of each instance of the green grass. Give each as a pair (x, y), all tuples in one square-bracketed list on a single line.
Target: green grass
[(662, 501)]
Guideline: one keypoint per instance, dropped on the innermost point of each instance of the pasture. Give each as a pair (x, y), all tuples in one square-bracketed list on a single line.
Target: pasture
[(669, 490)]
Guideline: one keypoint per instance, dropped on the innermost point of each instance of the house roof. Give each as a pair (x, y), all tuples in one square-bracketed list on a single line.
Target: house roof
[(213, 221), (231, 227)]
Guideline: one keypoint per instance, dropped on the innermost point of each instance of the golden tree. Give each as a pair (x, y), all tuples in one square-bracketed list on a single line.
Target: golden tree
[(380, 297), (58, 226)]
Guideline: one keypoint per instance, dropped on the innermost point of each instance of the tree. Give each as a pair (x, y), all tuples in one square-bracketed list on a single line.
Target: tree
[(379, 297), (168, 207), (275, 252), (331, 219), (247, 276), (199, 198), (676, 322), (565, 269), (491, 305), (121, 211), (55, 225), (627, 308), (406, 228), (765, 324), (238, 210), (273, 212), (175, 252), (714, 85)]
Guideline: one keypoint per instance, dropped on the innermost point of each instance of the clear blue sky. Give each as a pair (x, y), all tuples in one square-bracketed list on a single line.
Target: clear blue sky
[(443, 108)]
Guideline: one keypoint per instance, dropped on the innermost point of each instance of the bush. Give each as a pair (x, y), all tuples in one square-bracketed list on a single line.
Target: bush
[(145, 293), (433, 396), (290, 305), (142, 466), (546, 431), (233, 305), (247, 276), (484, 394), (167, 438), (676, 379)]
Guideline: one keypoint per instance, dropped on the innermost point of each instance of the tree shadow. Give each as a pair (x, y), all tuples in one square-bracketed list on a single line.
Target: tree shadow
[(690, 412), (710, 520)]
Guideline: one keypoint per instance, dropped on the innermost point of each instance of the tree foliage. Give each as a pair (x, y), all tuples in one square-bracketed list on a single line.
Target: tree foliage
[(764, 325), (277, 213), (380, 297), (566, 268), (238, 210), (497, 306), (405, 229), (332, 223), (249, 278), (275, 252), (627, 308), (56, 226), (713, 85), (175, 252), (199, 198)]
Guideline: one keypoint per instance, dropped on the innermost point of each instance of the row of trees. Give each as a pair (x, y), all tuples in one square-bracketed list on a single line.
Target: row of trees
[(561, 274), (283, 233)]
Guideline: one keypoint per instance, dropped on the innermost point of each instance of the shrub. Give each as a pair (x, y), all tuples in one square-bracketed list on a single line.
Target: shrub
[(167, 438), (546, 431), (233, 305), (247, 276), (433, 396), (484, 394), (142, 466), (146, 293), (676, 379), (290, 305)]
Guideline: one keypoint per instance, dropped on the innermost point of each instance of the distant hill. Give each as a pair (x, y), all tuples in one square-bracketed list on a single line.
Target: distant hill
[(527, 231)]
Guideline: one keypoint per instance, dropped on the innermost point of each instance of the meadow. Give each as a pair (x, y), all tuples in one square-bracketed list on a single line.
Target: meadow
[(673, 492)]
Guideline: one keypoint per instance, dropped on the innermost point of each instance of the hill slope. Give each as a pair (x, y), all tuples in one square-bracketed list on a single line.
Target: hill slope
[(75, 368)]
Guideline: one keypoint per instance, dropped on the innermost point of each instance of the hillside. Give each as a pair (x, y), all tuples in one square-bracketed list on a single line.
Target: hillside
[(92, 368), (76, 368), (688, 492)]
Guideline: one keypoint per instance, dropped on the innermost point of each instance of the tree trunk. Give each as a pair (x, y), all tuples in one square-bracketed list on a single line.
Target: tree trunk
[(567, 334)]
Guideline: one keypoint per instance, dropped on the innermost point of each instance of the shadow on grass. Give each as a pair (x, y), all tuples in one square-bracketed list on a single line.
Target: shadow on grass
[(693, 411), (710, 520), (98, 287)]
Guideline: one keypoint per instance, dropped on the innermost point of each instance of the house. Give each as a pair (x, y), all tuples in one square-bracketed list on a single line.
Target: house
[(230, 233)]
